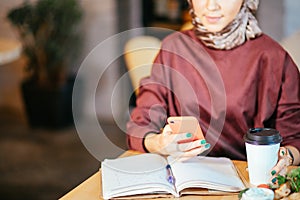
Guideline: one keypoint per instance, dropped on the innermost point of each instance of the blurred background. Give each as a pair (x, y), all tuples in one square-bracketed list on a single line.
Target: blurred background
[(42, 156)]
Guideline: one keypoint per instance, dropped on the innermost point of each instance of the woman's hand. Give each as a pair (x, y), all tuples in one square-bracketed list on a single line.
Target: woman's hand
[(285, 159), (167, 143)]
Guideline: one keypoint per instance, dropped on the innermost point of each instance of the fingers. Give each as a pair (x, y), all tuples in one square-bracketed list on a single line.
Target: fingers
[(283, 162), (183, 138), (184, 147), (178, 137), (196, 151), (282, 152), (172, 144), (281, 167), (185, 155), (167, 130)]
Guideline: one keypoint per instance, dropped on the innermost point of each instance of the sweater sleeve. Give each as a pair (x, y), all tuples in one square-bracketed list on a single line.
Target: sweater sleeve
[(149, 116), (288, 111)]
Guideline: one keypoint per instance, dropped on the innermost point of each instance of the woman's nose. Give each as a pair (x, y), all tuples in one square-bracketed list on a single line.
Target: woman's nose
[(212, 5)]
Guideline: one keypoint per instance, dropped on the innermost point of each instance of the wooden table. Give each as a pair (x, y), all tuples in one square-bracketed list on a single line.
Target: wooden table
[(91, 188)]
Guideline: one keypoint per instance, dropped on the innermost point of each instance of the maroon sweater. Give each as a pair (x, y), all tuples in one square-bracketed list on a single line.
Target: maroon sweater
[(229, 91)]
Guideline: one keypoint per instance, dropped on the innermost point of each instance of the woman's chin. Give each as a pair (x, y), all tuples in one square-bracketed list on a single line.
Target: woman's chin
[(214, 28)]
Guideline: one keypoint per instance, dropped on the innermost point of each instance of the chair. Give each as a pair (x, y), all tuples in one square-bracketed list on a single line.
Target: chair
[(292, 45), (186, 26), (139, 53)]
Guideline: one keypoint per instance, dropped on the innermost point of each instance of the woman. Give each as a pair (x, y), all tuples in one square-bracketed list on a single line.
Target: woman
[(227, 74)]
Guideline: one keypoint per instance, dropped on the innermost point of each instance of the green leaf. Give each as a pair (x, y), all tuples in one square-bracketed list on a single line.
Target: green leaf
[(242, 192), (281, 179), (294, 178)]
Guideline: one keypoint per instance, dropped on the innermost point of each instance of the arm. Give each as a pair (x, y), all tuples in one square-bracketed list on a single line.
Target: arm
[(143, 130), (150, 114), (288, 120), (154, 104), (288, 111)]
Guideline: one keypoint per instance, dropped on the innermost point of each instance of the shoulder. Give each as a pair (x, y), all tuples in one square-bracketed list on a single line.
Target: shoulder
[(180, 39), (268, 54), (179, 34), (263, 49), (265, 43)]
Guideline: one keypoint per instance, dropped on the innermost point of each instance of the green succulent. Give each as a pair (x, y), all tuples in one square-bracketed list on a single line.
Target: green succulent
[(49, 35)]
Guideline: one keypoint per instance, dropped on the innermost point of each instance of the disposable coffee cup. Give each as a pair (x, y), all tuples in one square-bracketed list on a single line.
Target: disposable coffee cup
[(262, 146)]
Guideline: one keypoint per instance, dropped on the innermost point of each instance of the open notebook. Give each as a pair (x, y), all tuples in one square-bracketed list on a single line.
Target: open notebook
[(146, 174)]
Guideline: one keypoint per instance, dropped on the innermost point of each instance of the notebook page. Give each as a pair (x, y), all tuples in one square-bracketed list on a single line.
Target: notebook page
[(206, 172), (134, 175)]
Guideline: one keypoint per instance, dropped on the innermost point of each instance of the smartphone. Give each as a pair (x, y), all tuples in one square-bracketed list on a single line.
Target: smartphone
[(186, 124)]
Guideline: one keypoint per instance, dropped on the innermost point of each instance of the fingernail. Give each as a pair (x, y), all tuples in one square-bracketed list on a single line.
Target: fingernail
[(274, 180), (207, 146), (202, 141), (188, 135), (273, 172)]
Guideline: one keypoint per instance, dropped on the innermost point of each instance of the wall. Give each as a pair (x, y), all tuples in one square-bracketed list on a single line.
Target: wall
[(99, 24), (270, 17), (279, 18), (292, 15)]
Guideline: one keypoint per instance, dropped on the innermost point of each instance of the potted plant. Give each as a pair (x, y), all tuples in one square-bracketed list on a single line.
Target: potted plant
[(49, 34)]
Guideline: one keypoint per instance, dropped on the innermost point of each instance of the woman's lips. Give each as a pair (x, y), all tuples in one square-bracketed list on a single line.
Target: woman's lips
[(211, 19)]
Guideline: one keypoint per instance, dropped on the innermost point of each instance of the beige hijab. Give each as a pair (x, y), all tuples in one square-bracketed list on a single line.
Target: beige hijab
[(243, 27)]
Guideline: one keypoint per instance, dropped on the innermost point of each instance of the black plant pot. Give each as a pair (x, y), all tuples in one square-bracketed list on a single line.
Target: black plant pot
[(48, 108)]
